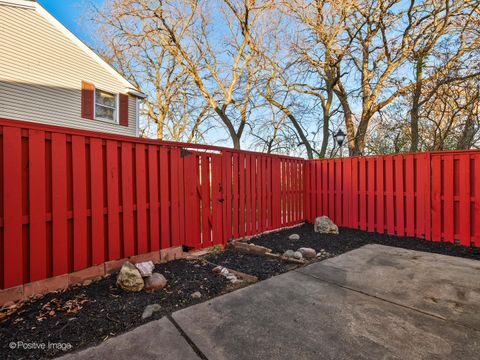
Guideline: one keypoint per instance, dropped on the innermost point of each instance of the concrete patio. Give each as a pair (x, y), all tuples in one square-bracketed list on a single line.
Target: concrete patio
[(375, 302)]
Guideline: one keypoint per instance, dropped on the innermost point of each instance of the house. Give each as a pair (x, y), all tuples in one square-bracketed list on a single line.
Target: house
[(47, 75)]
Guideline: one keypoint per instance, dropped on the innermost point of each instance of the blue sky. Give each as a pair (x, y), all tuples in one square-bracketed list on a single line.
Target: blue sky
[(69, 13)]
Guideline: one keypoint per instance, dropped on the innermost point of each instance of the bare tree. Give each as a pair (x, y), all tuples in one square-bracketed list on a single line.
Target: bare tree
[(219, 66), (384, 35), (451, 44), (320, 46)]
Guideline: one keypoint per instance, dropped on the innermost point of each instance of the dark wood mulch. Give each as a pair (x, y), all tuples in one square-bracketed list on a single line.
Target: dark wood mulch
[(350, 239), (101, 310), (86, 315), (253, 264)]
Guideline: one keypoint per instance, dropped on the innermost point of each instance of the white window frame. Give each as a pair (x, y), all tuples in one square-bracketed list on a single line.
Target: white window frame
[(117, 107)]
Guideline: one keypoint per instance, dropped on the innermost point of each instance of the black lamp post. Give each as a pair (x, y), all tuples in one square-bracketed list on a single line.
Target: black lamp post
[(339, 138)]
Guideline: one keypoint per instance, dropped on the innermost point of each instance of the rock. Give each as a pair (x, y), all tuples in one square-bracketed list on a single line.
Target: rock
[(232, 278), (227, 274), (294, 237), (323, 253), (288, 253), (324, 225), (129, 278), (155, 282), (145, 268), (308, 253), (87, 282), (196, 295), (150, 310), (217, 269), (297, 255)]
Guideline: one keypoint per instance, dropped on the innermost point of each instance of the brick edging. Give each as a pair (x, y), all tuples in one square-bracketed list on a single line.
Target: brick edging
[(62, 282)]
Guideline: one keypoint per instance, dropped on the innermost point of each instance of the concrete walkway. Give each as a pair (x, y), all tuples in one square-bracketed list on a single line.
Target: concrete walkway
[(375, 302)]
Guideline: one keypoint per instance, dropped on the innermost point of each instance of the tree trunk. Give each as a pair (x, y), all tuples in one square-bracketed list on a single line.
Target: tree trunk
[(234, 135), (414, 113), (295, 124), (326, 105), (468, 134), (326, 135), (236, 141), (348, 117), (361, 135)]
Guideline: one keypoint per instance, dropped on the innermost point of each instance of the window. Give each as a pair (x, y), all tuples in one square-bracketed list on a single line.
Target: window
[(105, 106)]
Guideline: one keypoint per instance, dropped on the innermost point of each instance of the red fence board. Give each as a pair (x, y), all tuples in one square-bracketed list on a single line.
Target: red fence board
[(12, 197), (38, 228), (59, 203), (127, 200), (79, 203), (97, 201)]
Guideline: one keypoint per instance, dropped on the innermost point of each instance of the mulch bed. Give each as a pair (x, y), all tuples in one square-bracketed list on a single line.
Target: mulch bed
[(253, 264), (87, 315), (350, 239)]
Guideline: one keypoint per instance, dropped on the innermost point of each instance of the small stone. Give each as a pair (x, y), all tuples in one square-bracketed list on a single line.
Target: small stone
[(324, 225), (217, 269), (288, 253), (129, 278), (231, 278), (150, 310), (294, 237), (155, 282), (145, 268), (196, 295), (297, 255), (308, 253), (87, 282)]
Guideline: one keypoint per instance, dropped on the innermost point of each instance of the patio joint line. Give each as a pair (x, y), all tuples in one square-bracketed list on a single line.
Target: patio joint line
[(388, 301), (190, 342)]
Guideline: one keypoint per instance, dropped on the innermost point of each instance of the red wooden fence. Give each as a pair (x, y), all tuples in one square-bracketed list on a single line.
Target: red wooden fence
[(71, 199), (435, 195)]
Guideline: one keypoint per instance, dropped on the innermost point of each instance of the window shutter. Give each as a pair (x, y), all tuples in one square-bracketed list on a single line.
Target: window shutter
[(123, 108), (87, 100)]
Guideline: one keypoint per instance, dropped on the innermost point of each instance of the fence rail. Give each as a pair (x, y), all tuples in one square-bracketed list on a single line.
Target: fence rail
[(71, 199)]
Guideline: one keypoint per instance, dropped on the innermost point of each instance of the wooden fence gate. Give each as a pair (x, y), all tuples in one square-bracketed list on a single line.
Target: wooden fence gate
[(204, 196)]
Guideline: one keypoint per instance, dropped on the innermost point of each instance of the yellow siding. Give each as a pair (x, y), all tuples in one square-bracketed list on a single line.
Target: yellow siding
[(41, 71)]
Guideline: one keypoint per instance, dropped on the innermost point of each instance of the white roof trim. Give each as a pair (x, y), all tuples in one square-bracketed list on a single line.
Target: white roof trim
[(51, 19), (19, 3)]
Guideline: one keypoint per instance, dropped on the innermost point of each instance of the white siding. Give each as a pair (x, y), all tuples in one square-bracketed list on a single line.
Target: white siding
[(41, 71)]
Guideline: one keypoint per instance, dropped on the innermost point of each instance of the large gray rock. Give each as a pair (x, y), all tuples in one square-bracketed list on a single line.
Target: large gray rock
[(324, 225), (129, 278), (155, 282)]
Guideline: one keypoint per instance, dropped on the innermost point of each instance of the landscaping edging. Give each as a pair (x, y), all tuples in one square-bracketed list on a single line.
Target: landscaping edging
[(62, 282)]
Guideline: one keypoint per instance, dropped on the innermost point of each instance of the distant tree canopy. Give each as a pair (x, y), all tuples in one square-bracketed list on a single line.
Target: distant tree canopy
[(283, 75)]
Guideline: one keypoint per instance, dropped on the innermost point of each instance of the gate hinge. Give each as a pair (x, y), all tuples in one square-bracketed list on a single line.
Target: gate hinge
[(184, 152)]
